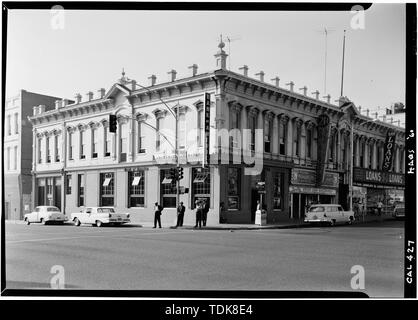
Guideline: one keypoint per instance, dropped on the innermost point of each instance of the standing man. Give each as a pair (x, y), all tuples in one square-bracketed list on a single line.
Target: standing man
[(205, 211), (198, 214), (157, 215), (379, 207), (180, 214)]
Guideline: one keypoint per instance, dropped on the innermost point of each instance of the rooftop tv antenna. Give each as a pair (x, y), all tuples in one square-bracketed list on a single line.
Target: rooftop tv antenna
[(325, 32), (231, 39)]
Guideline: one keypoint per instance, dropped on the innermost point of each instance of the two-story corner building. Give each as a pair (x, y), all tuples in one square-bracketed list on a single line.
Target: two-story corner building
[(17, 151), (294, 145)]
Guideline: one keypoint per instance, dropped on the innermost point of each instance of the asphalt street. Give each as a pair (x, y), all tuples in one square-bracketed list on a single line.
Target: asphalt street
[(140, 258)]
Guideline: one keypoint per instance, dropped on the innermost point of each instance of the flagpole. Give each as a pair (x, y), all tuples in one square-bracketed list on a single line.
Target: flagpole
[(342, 67)]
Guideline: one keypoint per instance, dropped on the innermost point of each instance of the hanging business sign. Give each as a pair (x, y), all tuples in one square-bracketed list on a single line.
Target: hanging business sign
[(207, 130), (389, 150), (324, 129)]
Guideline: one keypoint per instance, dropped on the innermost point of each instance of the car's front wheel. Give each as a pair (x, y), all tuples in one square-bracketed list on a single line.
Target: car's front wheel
[(27, 221), (332, 222), (77, 222), (43, 221), (98, 223)]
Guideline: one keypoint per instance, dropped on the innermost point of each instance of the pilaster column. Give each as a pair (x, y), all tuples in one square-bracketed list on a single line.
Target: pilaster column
[(259, 145), (366, 155), (374, 158), (289, 138), (303, 142), (357, 148), (275, 135)]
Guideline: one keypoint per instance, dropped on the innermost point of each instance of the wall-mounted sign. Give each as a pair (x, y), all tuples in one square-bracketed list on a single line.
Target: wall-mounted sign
[(308, 177), (207, 130), (312, 190), (324, 129), (389, 150), (378, 177)]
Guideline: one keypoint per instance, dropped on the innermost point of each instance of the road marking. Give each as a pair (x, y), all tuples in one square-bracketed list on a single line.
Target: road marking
[(86, 236)]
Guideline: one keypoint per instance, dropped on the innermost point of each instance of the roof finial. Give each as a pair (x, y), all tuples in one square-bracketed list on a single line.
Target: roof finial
[(221, 44), (123, 72)]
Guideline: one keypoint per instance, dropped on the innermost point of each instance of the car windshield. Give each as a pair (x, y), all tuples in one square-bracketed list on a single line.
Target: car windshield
[(316, 209), (54, 209), (105, 210)]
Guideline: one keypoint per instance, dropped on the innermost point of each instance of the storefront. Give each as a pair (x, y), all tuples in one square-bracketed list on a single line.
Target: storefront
[(381, 186), (304, 192)]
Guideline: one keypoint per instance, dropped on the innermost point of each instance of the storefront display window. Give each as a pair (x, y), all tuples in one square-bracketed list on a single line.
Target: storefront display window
[(233, 189)]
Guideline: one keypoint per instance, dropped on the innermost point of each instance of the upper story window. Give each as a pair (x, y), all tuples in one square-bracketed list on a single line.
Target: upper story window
[(141, 138), (234, 127), (40, 150), (57, 148), (94, 143), (16, 123), (158, 126), (107, 141), (267, 134), (309, 137), (296, 139), (282, 137), (9, 125), (182, 130), (70, 145), (83, 144), (253, 127), (123, 127), (48, 150)]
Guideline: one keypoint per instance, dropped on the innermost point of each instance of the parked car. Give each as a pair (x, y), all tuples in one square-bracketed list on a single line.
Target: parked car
[(44, 215), (399, 211), (328, 213), (98, 216)]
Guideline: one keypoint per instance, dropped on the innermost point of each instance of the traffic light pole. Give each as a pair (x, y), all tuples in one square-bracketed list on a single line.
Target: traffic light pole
[(177, 159)]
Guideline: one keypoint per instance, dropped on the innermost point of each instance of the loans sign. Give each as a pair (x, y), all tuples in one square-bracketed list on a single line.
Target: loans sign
[(207, 129), (378, 177), (389, 150)]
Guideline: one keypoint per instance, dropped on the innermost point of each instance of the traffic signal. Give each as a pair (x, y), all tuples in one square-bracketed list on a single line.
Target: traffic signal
[(173, 174), (180, 173), (112, 123)]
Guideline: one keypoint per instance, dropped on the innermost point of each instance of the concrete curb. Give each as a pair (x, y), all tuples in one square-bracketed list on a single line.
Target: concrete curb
[(230, 227)]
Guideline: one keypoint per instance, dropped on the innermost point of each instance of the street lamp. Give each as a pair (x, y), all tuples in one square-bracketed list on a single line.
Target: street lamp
[(352, 160)]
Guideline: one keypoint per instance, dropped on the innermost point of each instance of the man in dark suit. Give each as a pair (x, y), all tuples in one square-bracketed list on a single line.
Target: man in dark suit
[(157, 214), (180, 214), (205, 211)]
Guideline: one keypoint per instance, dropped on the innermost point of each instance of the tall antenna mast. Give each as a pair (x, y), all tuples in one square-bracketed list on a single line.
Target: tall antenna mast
[(325, 32), (230, 39), (342, 71)]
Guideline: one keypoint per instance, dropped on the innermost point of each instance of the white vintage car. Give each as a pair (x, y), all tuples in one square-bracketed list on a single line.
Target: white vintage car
[(328, 213), (98, 216), (44, 215)]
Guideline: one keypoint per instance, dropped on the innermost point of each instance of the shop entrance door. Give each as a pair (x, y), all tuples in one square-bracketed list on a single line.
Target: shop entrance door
[(295, 206)]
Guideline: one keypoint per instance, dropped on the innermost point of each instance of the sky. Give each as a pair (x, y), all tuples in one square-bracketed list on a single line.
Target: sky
[(92, 47)]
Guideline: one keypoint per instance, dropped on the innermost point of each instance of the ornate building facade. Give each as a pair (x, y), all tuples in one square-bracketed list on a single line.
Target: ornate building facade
[(303, 143)]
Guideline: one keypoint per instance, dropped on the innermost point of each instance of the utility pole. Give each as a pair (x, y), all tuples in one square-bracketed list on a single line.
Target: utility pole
[(342, 67), (177, 158)]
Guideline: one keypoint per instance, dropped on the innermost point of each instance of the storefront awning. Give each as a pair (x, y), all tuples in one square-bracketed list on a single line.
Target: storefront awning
[(167, 180), (136, 180), (106, 182), (200, 178)]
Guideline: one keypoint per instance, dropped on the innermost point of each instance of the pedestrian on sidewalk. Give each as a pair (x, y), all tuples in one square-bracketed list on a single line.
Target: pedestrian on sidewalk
[(180, 214), (205, 211), (157, 215), (198, 214), (379, 208)]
